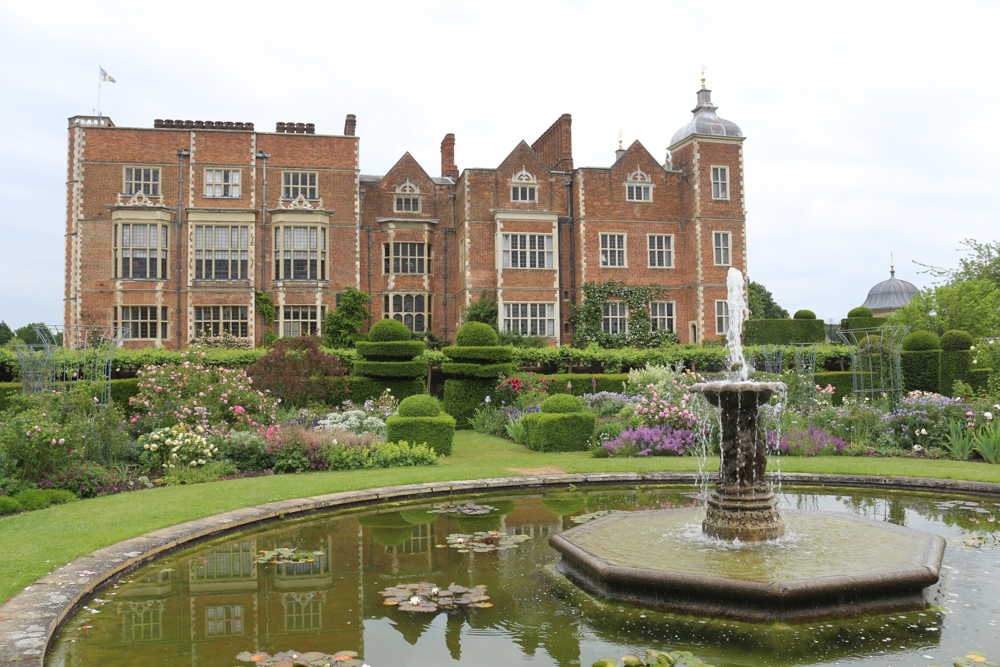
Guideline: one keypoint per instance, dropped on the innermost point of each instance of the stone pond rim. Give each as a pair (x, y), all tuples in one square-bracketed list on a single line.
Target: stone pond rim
[(874, 589)]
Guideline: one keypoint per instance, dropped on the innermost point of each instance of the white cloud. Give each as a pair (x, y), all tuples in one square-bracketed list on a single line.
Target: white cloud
[(870, 125)]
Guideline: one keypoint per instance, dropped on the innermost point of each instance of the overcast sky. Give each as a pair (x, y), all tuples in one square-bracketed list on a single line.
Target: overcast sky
[(871, 126)]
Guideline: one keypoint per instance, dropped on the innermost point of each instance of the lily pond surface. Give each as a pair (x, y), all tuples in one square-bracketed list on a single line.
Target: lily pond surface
[(498, 598)]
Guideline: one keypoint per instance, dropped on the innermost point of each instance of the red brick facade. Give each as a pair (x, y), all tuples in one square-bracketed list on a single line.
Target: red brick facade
[(305, 224)]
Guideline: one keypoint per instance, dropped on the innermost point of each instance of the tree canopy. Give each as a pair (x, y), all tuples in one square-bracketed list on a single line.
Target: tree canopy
[(762, 305), (981, 263), (969, 305)]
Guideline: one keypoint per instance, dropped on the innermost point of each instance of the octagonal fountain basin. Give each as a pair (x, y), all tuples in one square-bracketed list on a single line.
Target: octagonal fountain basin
[(829, 565)]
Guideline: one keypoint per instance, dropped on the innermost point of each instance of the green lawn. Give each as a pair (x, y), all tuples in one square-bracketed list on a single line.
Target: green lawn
[(34, 543)]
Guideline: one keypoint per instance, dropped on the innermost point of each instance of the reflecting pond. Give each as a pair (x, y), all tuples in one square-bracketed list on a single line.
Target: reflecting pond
[(205, 605)]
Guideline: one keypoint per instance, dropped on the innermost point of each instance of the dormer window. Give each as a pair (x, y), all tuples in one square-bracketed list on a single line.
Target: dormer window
[(639, 186), (407, 198), (523, 187)]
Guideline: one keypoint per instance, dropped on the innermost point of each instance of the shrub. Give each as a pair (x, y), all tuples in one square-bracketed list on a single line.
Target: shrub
[(342, 325), (8, 505), (579, 384), (246, 451), (357, 421), (210, 472), (921, 369), (60, 496), (476, 370), (476, 334), (379, 455), (804, 315), (559, 432), (406, 349), (86, 480), (11, 486), (920, 341), (784, 331), (193, 393), (812, 441), (463, 396), (956, 340), (35, 499), (420, 406), (296, 448), (860, 311), (297, 372), (365, 388), (388, 330), (436, 432), (649, 441), (394, 369), (224, 341), (480, 354), (561, 403), (176, 446)]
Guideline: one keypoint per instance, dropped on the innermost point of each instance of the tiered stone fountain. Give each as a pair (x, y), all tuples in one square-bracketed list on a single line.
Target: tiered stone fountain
[(739, 567)]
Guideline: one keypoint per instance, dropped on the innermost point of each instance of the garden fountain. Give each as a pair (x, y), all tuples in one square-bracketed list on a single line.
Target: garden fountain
[(739, 566)]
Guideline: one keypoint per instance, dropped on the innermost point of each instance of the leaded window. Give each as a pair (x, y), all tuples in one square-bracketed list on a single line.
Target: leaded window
[(140, 251), (661, 314), (297, 184), (530, 319), (300, 321), (413, 310), (721, 317), (720, 182), (141, 322), (221, 252), (406, 258), (615, 320), (299, 253), (222, 183), (145, 180), (527, 251), (721, 244), (224, 620), (613, 250), (216, 320), (661, 251)]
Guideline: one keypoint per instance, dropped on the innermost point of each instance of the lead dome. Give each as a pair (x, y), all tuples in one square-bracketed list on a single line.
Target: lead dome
[(890, 295), (706, 121)]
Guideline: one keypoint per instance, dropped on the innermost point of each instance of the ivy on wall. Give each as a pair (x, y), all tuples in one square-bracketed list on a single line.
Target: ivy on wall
[(588, 316)]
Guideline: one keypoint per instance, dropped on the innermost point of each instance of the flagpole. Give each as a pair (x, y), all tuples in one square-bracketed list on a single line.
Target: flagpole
[(99, 79)]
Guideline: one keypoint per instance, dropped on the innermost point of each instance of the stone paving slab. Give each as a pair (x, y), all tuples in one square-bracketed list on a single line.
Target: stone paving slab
[(30, 620)]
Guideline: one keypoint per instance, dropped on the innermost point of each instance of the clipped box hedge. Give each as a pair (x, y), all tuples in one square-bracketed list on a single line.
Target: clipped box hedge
[(921, 370), (462, 396), (360, 389), (495, 354), (559, 432), (955, 365), (862, 322), (437, 432), (390, 369), (782, 332), (477, 370), (585, 384), (400, 349)]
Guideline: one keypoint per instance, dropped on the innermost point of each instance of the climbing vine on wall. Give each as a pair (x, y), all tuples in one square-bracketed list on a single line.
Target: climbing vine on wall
[(265, 306), (588, 316)]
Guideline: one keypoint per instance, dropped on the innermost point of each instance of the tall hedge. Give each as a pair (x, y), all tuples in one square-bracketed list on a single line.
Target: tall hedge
[(782, 332), (862, 322), (921, 369), (387, 362), (475, 363)]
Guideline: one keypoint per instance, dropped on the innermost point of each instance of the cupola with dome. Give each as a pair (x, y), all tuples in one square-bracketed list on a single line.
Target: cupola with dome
[(890, 295), (706, 121)]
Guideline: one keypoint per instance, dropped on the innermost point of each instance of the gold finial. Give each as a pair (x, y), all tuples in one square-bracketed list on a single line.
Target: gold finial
[(620, 133), (703, 75)]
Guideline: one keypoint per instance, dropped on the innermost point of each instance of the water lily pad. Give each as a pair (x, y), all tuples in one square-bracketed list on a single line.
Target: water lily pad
[(468, 509), (285, 555)]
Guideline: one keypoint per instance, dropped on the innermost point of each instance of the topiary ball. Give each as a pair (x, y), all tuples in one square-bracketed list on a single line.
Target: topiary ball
[(918, 341), (384, 331), (476, 334), (420, 405), (804, 315), (860, 311), (956, 339), (562, 403)]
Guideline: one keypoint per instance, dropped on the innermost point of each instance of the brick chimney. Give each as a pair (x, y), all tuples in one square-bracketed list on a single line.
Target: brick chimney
[(448, 166), (350, 124)]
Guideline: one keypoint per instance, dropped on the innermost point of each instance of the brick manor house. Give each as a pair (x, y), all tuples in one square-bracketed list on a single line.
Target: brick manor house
[(171, 230)]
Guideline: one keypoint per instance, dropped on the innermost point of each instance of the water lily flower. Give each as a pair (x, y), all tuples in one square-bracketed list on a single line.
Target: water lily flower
[(415, 600)]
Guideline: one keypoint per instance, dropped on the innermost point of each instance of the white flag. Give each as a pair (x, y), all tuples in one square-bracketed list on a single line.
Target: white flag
[(107, 77)]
